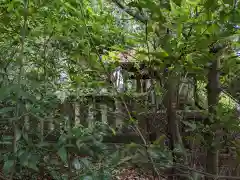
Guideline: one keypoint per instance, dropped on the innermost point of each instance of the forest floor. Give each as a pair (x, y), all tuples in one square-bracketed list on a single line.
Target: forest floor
[(134, 174)]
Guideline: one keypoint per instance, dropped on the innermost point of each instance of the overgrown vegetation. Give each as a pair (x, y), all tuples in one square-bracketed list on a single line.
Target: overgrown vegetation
[(91, 87)]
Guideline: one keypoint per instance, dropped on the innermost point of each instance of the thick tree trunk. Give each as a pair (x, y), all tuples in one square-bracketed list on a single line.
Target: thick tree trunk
[(213, 90)]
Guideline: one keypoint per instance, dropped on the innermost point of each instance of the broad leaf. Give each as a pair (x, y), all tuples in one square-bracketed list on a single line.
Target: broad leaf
[(8, 165), (62, 153)]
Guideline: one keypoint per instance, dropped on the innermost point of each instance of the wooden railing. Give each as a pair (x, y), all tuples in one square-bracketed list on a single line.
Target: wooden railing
[(106, 107)]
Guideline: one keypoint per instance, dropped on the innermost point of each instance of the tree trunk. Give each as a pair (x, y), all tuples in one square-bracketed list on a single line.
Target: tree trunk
[(213, 90), (173, 124)]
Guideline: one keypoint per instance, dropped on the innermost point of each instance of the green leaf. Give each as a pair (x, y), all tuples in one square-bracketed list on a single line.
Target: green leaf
[(20, 153), (7, 138), (160, 55), (8, 165), (43, 144), (160, 140), (134, 4), (193, 126), (10, 7), (193, 2), (113, 131), (177, 2), (196, 176), (18, 134), (24, 157), (230, 2), (27, 95), (80, 144), (32, 165), (211, 5), (124, 160), (6, 110), (62, 152), (87, 178), (173, 5), (62, 95), (86, 162), (115, 158)]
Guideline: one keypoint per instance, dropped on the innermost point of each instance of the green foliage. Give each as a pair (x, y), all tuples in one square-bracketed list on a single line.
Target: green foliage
[(41, 41)]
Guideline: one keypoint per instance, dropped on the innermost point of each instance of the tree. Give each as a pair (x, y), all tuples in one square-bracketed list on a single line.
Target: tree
[(60, 53), (188, 32)]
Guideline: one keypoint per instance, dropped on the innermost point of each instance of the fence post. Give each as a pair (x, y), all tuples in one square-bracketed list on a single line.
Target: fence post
[(118, 112), (104, 112), (26, 122), (41, 128), (77, 113), (91, 113), (149, 84), (51, 124)]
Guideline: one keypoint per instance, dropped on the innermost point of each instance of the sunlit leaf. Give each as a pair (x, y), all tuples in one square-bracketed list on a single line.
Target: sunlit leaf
[(113, 131)]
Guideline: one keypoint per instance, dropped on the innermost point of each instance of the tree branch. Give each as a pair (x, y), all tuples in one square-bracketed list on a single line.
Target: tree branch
[(135, 15)]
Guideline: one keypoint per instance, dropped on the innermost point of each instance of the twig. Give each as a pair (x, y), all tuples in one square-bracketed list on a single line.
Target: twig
[(146, 149), (23, 35), (216, 177)]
